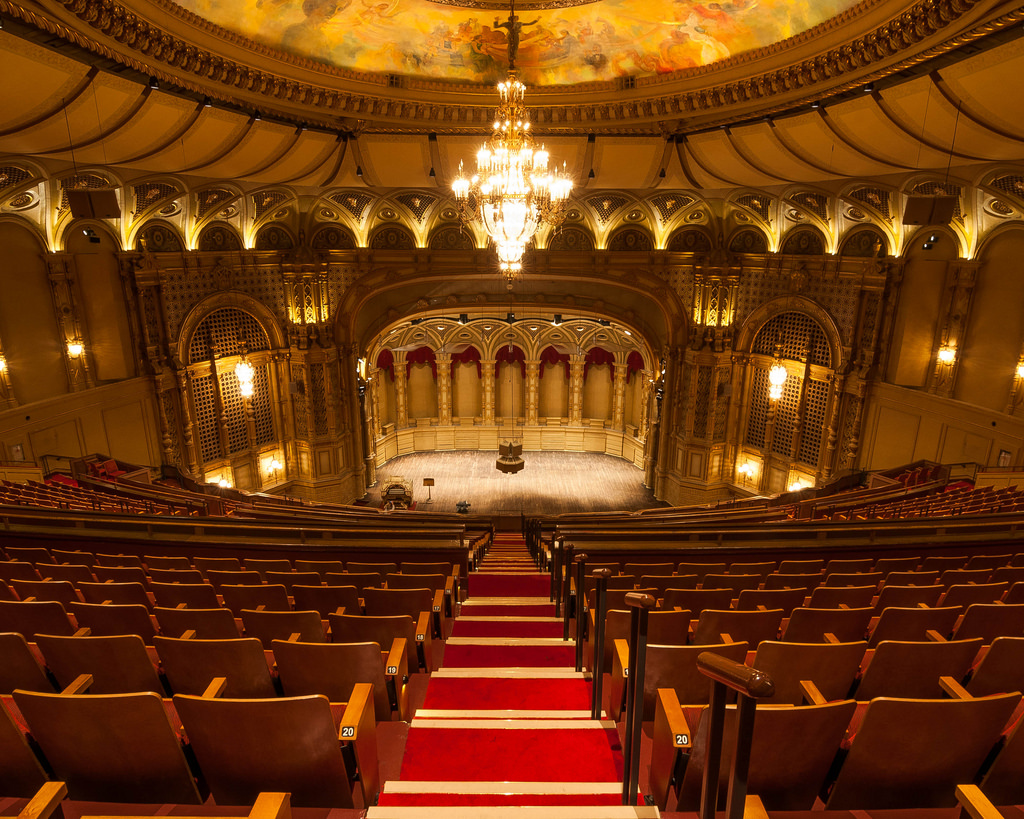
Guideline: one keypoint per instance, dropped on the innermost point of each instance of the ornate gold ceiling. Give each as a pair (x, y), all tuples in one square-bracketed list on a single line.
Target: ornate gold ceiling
[(560, 42)]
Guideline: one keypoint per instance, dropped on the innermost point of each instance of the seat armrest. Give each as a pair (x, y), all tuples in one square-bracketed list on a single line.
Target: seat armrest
[(425, 640), (617, 684), (812, 696), (215, 688), (396, 675), (78, 685), (976, 804), (671, 736), (451, 582), (271, 806), (954, 689), (45, 801), (438, 609), (358, 727)]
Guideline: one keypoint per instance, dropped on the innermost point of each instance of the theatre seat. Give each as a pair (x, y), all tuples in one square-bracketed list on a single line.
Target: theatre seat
[(129, 593), (117, 665), (333, 670), (749, 626), (290, 744), (272, 598), (791, 750), (60, 591), (109, 620), (111, 747), (809, 625), (664, 627), (913, 669), (190, 595), (832, 667), (384, 631), (912, 753), (21, 773), (267, 626), (913, 623), (31, 618), (191, 664), (326, 599), (205, 624), (1000, 670), (20, 667)]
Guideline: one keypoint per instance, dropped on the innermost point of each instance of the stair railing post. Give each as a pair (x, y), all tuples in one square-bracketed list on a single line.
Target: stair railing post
[(581, 599), (565, 580), (556, 550), (640, 604), (600, 604), (750, 684)]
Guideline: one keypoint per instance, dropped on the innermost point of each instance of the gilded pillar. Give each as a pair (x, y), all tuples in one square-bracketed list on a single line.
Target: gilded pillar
[(532, 391), (401, 393), (619, 396), (576, 390), (487, 385), (76, 350), (444, 389)]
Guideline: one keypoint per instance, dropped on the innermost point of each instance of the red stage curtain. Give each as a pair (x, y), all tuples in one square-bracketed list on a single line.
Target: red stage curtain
[(471, 353), (509, 354), (386, 362), (598, 355), (421, 355), (551, 356), (634, 363)]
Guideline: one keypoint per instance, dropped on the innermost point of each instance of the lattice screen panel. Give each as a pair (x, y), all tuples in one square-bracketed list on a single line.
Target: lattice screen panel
[(261, 408), (318, 399), (785, 417), (794, 330), (234, 411), (225, 328), (757, 412), (721, 406), (814, 422), (299, 400), (702, 401), (206, 418)]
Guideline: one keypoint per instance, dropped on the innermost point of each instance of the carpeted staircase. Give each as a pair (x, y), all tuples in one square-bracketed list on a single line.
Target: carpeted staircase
[(505, 726)]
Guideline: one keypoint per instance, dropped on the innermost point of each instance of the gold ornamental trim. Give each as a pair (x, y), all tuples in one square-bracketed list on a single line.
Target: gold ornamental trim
[(154, 51)]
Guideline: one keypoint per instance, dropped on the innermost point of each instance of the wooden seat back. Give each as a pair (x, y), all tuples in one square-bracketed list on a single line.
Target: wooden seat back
[(60, 591), (810, 625), (30, 554), (696, 600), (912, 669), (105, 620), (663, 582), (292, 579), (118, 561), (832, 597), (416, 581), (970, 593), (364, 567), (779, 580), (326, 599), (121, 574), (801, 567), (272, 598), (208, 624), (1001, 669), (217, 564), (361, 580), (898, 623), (17, 570), (190, 666), (700, 569), (832, 667), (192, 595), (145, 764), (391, 602), (641, 569), (894, 596), (267, 626), (991, 620), (287, 744), (790, 754), (166, 562), (71, 572), (333, 670), (748, 626), (736, 582), (893, 761), (74, 557), (785, 599), (19, 667), (409, 567), (192, 576), (232, 577), (118, 664), (321, 567), (669, 627), (21, 775), (872, 579), (32, 618), (262, 565), (129, 593)]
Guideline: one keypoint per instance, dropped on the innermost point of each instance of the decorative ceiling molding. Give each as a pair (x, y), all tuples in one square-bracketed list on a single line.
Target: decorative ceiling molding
[(650, 107)]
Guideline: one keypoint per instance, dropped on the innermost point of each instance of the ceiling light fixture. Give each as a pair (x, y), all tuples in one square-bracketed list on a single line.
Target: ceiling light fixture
[(513, 191)]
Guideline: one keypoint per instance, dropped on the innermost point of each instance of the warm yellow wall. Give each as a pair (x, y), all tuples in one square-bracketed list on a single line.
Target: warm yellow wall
[(553, 389), (597, 393), (118, 420), (466, 388), (421, 392), (32, 344), (509, 393), (903, 425), (991, 346), (106, 320)]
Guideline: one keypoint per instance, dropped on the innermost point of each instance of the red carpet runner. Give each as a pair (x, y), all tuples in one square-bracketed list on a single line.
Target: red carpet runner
[(505, 726)]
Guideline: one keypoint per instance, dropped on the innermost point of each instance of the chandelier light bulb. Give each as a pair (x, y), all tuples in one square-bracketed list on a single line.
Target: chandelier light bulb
[(776, 380), (947, 355)]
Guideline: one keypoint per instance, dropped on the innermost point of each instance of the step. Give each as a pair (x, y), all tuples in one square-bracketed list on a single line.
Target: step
[(510, 673), (607, 794), (496, 713), (509, 641), (513, 812)]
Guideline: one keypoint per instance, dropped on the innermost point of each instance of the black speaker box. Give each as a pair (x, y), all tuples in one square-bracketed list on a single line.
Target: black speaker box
[(929, 210), (94, 204)]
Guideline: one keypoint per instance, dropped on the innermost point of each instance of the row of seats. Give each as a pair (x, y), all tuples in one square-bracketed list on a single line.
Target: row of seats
[(959, 501), (65, 496)]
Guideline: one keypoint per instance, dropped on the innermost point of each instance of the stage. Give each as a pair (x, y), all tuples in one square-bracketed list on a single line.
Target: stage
[(551, 483)]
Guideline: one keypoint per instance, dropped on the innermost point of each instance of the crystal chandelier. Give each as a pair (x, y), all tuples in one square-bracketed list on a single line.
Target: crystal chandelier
[(512, 192)]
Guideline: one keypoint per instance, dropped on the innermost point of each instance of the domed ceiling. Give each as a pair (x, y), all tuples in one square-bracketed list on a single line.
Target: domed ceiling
[(560, 42)]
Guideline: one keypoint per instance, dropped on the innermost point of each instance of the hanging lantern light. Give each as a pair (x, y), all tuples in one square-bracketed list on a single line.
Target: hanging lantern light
[(244, 373), (776, 380)]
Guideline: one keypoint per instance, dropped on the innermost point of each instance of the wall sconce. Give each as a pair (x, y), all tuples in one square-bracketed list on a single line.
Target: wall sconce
[(1020, 368), (776, 380), (224, 483), (798, 484), (947, 354), (244, 373), (748, 471), (3, 364), (273, 468), (75, 349), (361, 368)]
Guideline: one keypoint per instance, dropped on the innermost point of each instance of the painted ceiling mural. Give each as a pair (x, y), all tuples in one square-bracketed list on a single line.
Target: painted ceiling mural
[(565, 42)]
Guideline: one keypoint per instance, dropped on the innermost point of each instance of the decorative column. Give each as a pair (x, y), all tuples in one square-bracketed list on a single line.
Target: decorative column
[(192, 454), (835, 392), (851, 433), (619, 396), (487, 385), (6, 392), (401, 394), (444, 389), (576, 390), (948, 354), (532, 392), (646, 390), (80, 376)]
